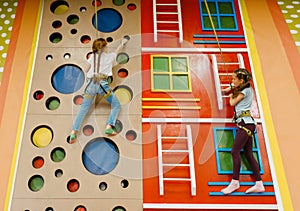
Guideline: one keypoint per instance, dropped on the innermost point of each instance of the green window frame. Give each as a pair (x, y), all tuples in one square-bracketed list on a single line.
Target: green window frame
[(223, 15), (170, 74), (223, 139)]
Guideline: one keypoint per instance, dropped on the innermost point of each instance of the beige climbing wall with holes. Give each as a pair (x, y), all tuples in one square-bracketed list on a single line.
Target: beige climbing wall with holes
[(51, 173)]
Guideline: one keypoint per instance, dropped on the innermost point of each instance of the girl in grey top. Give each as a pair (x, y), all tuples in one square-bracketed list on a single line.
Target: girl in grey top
[(241, 99)]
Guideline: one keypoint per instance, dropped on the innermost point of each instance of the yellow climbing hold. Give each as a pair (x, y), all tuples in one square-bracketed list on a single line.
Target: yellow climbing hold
[(42, 137)]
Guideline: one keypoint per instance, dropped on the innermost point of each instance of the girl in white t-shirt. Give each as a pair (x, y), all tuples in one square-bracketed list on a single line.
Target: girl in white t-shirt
[(241, 99), (99, 68)]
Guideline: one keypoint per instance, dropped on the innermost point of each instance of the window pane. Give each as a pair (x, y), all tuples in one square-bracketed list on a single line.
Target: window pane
[(227, 22), (225, 138), (207, 24), (211, 6), (180, 82), (225, 161), (225, 8), (161, 82), (161, 64), (179, 64)]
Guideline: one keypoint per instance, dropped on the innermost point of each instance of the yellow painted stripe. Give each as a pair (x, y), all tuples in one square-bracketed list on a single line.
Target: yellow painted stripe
[(172, 99), (22, 112), (279, 168), (173, 107)]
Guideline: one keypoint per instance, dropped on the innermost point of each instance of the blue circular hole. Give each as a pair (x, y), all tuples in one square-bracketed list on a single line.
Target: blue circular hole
[(100, 156), (108, 20), (67, 79)]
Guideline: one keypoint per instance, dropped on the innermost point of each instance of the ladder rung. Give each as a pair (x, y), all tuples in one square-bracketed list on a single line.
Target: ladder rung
[(175, 150), (176, 164), (177, 179), (174, 137), (173, 22), (228, 63), (166, 4), (167, 30), (167, 13)]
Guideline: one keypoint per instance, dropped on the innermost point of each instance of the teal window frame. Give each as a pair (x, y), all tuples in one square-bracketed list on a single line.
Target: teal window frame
[(217, 15), (227, 149)]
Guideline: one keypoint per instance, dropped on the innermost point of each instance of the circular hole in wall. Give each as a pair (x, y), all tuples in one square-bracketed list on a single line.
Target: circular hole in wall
[(49, 209), (38, 162), (58, 173), (123, 73), (73, 185), (36, 183), (123, 93), (85, 39), (52, 103), (59, 7), (110, 79), (119, 208), (103, 186), (55, 37), (67, 56), (41, 136), (131, 135), (56, 24), (98, 3), (88, 130), (82, 9), (109, 20), (122, 58), (58, 154), (118, 2), (67, 79), (72, 19), (124, 183), (49, 57), (88, 55), (80, 208), (38, 95), (100, 156), (109, 39), (73, 31), (131, 7), (77, 100)]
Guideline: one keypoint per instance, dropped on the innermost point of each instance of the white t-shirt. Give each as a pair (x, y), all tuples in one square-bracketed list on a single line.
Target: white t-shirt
[(106, 64), (245, 105)]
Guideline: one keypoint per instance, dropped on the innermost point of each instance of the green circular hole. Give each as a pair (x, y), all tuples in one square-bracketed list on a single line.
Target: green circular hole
[(58, 154), (55, 37), (52, 103), (122, 58), (118, 2), (72, 19), (36, 183)]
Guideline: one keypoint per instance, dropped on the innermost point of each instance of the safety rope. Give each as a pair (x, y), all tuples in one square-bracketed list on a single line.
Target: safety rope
[(96, 17), (217, 39)]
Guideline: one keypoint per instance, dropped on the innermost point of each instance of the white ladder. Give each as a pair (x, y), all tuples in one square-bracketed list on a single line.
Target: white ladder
[(218, 84), (160, 18), (190, 163)]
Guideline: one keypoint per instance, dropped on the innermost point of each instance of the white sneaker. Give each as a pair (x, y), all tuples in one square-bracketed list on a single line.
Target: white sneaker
[(257, 188), (233, 186)]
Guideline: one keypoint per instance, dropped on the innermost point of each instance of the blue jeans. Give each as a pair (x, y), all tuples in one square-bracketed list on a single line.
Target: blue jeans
[(91, 91)]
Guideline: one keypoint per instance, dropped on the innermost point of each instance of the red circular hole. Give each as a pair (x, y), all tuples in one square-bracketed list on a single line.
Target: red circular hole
[(80, 208), (122, 73), (38, 95), (73, 185), (98, 3), (131, 6), (77, 100), (85, 39), (38, 162), (88, 130), (130, 135)]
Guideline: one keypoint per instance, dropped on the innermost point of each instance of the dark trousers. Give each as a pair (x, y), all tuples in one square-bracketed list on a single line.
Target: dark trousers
[(243, 141)]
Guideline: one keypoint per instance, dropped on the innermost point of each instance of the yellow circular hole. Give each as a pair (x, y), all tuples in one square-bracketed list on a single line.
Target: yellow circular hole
[(61, 9), (124, 94), (42, 136)]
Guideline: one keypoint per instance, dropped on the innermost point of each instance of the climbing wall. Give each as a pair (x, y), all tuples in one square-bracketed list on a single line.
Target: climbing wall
[(98, 172)]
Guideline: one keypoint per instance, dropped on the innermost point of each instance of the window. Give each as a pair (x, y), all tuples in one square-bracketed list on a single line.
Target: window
[(224, 138), (222, 13), (170, 73)]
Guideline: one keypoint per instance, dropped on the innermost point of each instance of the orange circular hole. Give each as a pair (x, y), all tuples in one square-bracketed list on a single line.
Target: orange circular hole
[(130, 135), (122, 73), (38, 162), (88, 130), (73, 185), (77, 100)]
